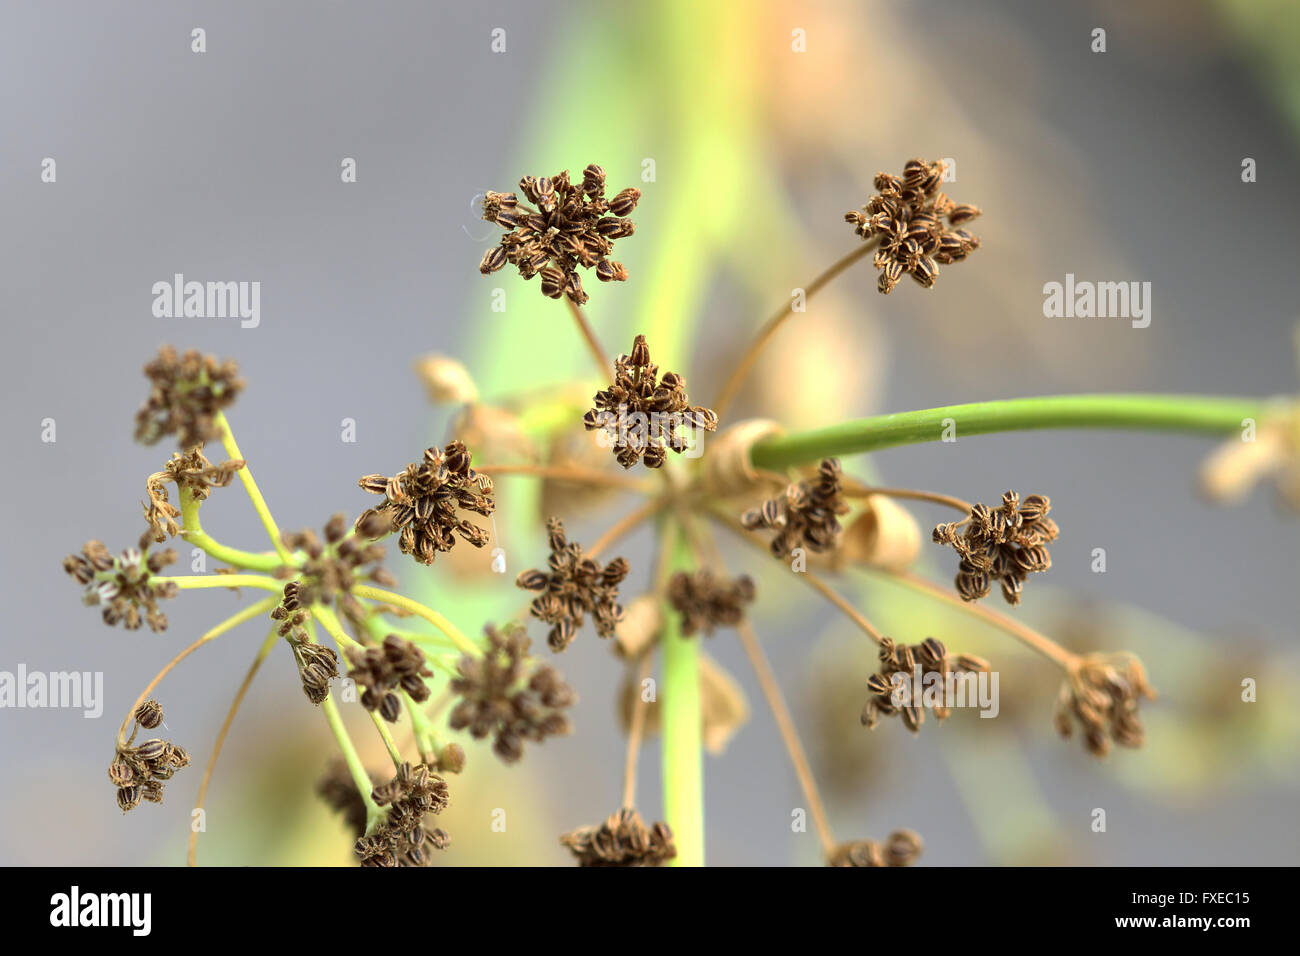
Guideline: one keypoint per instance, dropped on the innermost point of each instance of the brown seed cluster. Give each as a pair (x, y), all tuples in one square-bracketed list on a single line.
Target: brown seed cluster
[(908, 215), (190, 472), (398, 664), (643, 416), (1102, 694), (622, 840), (932, 658), (422, 503), (403, 840), (139, 772), (568, 225), (500, 696), (901, 849), (705, 602), (573, 587), (331, 568), (317, 666), (124, 585), (1004, 544), (805, 515), (188, 392)]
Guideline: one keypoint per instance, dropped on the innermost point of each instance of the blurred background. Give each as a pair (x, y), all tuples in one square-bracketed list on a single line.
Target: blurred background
[(1122, 166)]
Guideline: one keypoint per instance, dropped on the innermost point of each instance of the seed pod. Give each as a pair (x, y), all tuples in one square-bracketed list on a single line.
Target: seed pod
[(149, 714)]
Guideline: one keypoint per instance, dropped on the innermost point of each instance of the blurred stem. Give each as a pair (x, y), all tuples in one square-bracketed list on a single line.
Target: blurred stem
[(1174, 413), (188, 582), (250, 486), (229, 624), (636, 730), (194, 534), (271, 640), (1066, 659), (683, 752), (773, 325), (589, 336), (463, 643)]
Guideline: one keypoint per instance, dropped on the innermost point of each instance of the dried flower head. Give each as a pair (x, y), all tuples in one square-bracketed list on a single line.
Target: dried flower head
[(138, 771), (501, 696), (125, 584), (1102, 694), (892, 690), (705, 602), (908, 214), (806, 515), (1004, 544), (901, 849), (422, 504), (568, 225), (189, 391), (190, 472), (330, 569), (573, 587), (643, 416), (398, 664), (622, 840), (403, 839)]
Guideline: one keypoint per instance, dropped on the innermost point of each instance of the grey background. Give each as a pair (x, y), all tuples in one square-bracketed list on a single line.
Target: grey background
[(226, 166)]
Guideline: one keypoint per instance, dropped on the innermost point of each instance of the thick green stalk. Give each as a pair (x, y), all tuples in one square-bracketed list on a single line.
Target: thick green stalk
[(189, 582), (683, 752), (234, 557), (1175, 413)]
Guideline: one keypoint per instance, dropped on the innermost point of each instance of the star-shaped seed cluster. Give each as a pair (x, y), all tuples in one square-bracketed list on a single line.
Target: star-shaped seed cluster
[(806, 515), (572, 587), (422, 504), (382, 671), (503, 696), (568, 226), (188, 392), (643, 416), (903, 659), (908, 214), (1004, 544), (124, 585), (403, 839), (706, 602)]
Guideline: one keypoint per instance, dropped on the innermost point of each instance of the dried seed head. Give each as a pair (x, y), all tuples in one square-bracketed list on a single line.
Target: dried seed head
[(906, 215), (806, 515), (124, 586), (573, 226), (149, 714), (422, 505), (1103, 694), (506, 696), (188, 392), (1003, 544), (573, 587), (622, 840), (642, 416), (705, 602), (381, 671)]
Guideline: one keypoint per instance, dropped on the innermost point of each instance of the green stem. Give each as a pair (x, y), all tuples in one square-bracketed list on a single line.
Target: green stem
[(195, 535), (374, 813), (462, 642), (250, 486), (1176, 413), (191, 582), (680, 707)]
